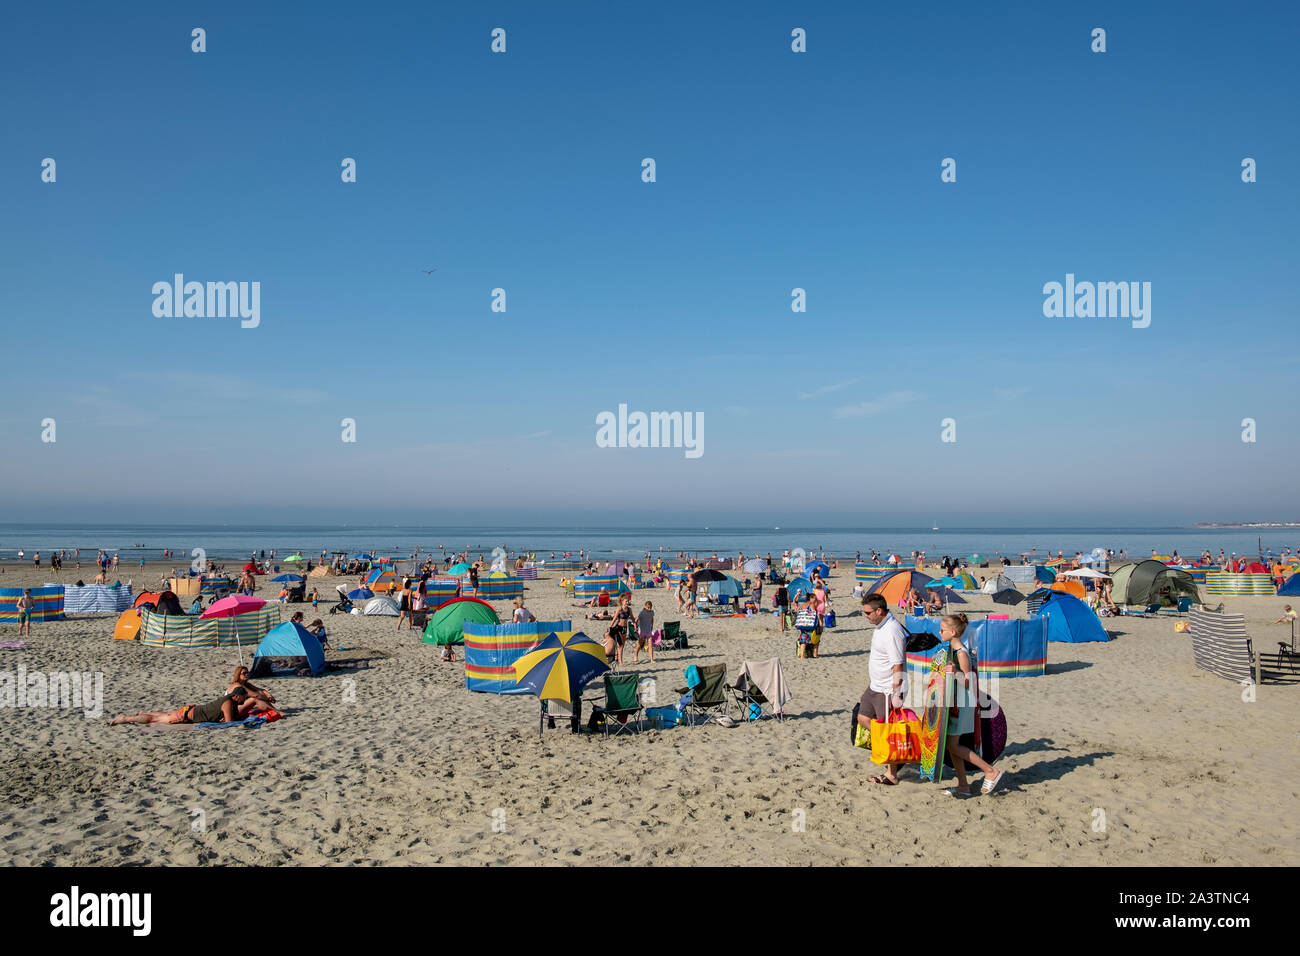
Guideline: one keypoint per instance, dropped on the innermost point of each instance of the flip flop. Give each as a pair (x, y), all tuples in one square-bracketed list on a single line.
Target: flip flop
[(883, 780), (990, 785), (959, 794)]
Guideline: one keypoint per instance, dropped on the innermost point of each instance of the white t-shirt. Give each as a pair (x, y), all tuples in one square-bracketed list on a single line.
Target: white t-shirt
[(888, 649), (522, 615)]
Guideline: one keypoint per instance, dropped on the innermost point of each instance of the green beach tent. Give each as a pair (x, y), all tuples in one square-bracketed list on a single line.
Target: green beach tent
[(447, 623), (1150, 581)]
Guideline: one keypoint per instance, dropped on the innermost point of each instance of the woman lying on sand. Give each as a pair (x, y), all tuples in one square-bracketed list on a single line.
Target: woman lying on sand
[(235, 705), (241, 680)]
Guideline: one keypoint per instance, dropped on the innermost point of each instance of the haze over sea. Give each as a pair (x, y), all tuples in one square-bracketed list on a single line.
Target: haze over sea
[(230, 541)]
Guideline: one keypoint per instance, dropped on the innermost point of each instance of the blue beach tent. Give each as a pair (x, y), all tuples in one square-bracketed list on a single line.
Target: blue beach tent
[(291, 640), (1070, 621), (1290, 586)]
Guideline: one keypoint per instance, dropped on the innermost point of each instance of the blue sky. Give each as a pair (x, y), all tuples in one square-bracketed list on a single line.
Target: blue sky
[(775, 170)]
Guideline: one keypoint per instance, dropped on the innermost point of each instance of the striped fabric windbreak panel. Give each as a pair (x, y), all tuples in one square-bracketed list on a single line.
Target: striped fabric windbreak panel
[(1220, 644)]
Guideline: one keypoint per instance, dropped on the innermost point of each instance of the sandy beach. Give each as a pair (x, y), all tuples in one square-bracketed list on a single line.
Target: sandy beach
[(418, 770)]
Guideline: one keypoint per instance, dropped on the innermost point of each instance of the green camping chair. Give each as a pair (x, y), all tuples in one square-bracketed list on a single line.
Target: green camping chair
[(709, 696), (673, 636), (621, 704)]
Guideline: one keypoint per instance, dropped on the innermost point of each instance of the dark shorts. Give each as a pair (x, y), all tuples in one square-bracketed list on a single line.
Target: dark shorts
[(874, 705)]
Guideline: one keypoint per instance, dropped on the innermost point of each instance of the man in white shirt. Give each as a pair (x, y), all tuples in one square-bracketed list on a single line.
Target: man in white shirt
[(888, 669)]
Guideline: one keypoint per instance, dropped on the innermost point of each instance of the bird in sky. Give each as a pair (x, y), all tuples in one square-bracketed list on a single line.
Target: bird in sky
[(429, 272)]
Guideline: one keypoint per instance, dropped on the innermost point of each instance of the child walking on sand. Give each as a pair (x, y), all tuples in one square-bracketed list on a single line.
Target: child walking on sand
[(962, 716), (645, 622)]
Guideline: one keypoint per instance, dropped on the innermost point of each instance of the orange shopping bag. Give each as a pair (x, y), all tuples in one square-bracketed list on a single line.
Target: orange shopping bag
[(897, 740)]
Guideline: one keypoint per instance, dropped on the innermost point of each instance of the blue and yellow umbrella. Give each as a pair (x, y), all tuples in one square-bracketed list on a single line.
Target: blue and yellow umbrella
[(558, 668)]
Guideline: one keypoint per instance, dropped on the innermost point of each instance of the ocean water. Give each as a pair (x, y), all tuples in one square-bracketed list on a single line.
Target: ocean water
[(228, 542)]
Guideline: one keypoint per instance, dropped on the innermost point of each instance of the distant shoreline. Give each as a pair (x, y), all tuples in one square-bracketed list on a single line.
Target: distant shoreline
[(1251, 526)]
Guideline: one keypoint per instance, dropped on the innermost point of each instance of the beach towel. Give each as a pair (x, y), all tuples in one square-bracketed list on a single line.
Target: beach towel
[(692, 676), (769, 678), (12, 645), (253, 720)]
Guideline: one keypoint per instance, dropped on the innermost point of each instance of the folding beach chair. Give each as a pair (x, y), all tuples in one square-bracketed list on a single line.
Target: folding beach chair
[(749, 696), (621, 703), (674, 637), (709, 697), (553, 710)]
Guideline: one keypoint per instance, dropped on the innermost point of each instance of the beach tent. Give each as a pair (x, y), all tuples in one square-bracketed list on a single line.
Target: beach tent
[(968, 583), (798, 588), (820, 567), (997, 583), (1008, 596), (1147, 582), (383, 606), (1070, 621), (382, 579), (320, 571), (97, 599), (170, 630), (1289, 587), (1044, 574), (447, 623), (492, 649), (1005, 648), (128, 626), (499, 586), (168, 603), (893, 587), (289, 639), (1073, 588)]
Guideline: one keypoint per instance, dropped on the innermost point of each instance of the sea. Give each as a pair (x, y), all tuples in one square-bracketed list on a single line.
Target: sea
[(230, 542)]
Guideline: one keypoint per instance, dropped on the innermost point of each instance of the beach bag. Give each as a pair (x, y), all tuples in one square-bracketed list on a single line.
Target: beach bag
[(830, 619), (898, 739), (805, 620), (858, 734)]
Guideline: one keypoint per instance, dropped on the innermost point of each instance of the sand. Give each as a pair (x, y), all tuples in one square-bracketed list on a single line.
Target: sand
[(418, 770)]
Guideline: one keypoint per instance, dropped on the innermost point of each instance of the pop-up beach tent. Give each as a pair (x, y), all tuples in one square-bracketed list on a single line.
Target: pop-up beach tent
[(1147, 582), (383, 606), (447, 622), (492, 649), (999, 582), (1290, 586), (289, 640), (1070, 621), (895, 585)]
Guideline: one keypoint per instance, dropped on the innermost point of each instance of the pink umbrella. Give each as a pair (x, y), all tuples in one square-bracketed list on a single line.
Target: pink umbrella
[(233, 606)]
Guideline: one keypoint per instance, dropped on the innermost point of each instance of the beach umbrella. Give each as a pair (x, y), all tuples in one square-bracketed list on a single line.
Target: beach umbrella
[(1008, 596), (283, 578), (459, 569), (363, 557), (727, 587), (756, 565), (293, 559), (1084, 573), (820, 567), (976, 559), (704, 575), (558, 668), (234, 606), (361, 594)]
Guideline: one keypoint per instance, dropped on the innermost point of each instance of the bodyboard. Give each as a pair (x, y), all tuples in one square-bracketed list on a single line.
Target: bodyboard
[(934, 718)]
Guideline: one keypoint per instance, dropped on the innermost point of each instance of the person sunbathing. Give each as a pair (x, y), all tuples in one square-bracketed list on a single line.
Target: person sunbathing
[(258, 695), (933, 601), (600, 600), (235, 705)]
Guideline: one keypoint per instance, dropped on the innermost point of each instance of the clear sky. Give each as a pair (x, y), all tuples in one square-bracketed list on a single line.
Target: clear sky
[(775, 170)]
